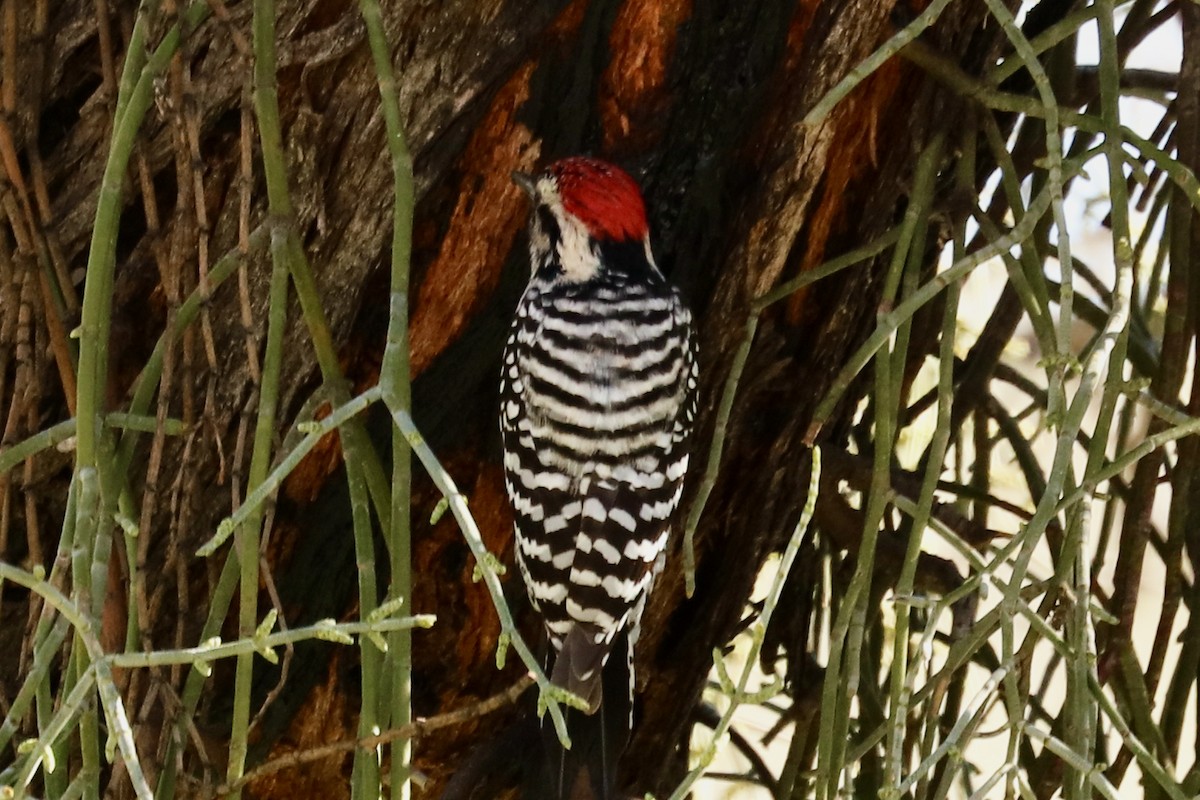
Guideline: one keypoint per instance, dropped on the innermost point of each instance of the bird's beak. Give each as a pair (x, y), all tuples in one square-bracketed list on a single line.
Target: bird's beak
[(526, 182)]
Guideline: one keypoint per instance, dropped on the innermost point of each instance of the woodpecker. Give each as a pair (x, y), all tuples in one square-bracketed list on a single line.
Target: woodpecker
[(597, 401)]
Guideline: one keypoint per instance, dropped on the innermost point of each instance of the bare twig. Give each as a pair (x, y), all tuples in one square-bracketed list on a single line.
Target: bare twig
[(413, 730)]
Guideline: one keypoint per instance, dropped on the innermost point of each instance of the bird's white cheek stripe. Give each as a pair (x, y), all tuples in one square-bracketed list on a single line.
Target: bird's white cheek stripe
[(575, 253)]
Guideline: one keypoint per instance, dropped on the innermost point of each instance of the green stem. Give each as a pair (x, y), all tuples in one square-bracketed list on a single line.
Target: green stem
[(396, 378), (262, 643), (247, 535), (43, 659), (101, 263), (14, 455), (901, 694), (721, 427), (891, 47), (93, 462), (97, 672), (550, 696), (185, 315), (759, 629), (891, 321), (365, 776), (1054, 168), (314, 432)]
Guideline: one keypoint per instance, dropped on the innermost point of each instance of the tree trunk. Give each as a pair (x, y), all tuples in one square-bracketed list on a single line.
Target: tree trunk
[(701, 101)]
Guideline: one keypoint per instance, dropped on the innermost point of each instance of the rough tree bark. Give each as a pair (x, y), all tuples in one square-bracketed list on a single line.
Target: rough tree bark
[(700, 99)]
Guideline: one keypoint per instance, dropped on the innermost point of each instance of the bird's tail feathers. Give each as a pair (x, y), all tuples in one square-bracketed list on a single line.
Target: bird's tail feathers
[(589, 768), (580, 664)]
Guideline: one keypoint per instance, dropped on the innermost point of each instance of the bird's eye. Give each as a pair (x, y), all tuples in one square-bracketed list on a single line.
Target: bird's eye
[(544, 221)]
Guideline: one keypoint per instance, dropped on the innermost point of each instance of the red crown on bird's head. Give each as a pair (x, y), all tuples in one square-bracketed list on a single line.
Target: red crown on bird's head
[(602, 196)]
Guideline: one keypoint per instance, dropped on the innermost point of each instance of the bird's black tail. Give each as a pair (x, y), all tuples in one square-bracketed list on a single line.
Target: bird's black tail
[(589, 768)]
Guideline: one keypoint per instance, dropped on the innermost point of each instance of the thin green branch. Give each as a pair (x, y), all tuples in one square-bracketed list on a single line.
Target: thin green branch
[(396, 380), (53, 436), (185, 315), (249, 533), (758, 630), (263, 642), (98, 672), (549, 695), (953, 77), (1054, 169), (738, 365), (97, 291), (890, 322), (860, 73), (314, 431), (43, 659), (966, 720), (902, 673), (1078, 762)]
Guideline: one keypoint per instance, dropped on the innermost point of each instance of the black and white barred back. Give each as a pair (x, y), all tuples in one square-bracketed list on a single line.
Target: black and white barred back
[(598, 395)]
